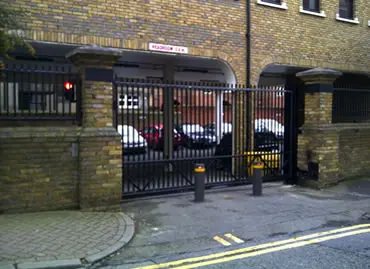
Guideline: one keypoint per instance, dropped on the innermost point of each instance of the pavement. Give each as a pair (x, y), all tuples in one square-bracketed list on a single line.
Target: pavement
[(173, 226), (61, 239)]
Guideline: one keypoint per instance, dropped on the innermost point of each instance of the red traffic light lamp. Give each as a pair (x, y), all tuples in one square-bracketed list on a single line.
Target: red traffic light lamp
[(69, 91), (68, 86)]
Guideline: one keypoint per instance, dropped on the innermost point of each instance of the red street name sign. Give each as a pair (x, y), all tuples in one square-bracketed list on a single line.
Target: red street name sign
[(167, 48)]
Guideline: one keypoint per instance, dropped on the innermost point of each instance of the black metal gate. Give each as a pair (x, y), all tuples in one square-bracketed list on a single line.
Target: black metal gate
[(168, 127)]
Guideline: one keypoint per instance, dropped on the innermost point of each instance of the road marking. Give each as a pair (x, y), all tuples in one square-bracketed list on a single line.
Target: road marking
[(221, 241), (252, 248), (234, 238), (274, 249)]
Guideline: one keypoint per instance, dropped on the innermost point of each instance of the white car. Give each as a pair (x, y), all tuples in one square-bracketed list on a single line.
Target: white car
[(131, 138), (210, 128), (269, 125), (195, 135)]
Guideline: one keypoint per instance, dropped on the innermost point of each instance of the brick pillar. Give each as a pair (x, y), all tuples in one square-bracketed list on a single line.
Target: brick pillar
[(100, 149), (318, 143)]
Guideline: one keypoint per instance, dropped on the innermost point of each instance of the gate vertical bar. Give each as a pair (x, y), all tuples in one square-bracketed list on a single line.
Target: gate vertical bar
[(290, 131)]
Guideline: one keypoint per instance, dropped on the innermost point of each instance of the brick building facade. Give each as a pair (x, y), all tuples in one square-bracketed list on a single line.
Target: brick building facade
[(285, 39)]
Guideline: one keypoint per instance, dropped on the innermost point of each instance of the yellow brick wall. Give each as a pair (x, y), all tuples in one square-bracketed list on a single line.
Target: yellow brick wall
[(37, 169), (290, 37), (354, 153), (318, 108), (214, 28), (209, 28)]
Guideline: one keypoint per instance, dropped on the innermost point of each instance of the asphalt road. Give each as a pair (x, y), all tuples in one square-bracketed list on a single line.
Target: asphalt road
[(345, 253), (286, 227), (347, 248)]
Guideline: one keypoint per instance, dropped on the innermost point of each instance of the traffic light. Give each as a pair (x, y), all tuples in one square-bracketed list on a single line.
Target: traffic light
[(69, 91)]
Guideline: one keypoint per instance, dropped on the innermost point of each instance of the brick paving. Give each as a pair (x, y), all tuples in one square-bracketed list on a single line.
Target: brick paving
[(60, 235)]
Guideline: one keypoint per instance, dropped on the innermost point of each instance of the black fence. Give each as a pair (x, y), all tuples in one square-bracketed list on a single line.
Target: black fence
[(35, 92), (166, 128), (351, 105)]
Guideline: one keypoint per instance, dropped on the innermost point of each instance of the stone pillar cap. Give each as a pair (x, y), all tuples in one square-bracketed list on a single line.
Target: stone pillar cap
[(319, 76), (95, 50), (95, 56), (319, 72)]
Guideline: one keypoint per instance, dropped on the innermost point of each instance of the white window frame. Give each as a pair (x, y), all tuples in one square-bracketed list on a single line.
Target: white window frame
[(318, 14), (355, 19), (126, 98), (283, 4)]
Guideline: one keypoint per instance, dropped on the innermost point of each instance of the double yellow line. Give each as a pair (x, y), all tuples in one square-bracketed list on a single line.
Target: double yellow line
[(243, 253)]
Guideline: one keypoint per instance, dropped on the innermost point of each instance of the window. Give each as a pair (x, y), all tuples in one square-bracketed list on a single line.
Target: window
[(346, 9), (31, 101), (128, 101), (276, 2), (311, 5), (281, 4)]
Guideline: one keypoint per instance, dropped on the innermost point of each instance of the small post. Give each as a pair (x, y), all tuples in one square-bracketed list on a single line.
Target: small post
[(257, 178), (199, 173)]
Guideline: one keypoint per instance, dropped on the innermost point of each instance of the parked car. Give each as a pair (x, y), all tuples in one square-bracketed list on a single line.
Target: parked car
[(263, 141), (154, 135), (210, 128), (194, 135), (270, 125), (131, 139)]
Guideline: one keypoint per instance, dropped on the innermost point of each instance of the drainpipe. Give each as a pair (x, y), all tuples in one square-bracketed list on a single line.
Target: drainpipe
[(250, 125), (248, 44)]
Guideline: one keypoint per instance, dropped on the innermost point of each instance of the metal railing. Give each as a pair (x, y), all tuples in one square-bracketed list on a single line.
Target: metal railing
[(351, 105), (34, 92), (167, 127)]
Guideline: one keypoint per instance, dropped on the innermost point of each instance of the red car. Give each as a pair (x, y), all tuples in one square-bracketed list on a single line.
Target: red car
[(154, 135)]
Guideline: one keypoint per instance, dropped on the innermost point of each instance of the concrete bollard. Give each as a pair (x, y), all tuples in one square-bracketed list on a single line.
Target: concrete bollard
[(257, 178), (199, 175)]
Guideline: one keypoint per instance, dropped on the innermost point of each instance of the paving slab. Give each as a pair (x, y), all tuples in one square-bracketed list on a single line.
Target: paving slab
[(61, 239)]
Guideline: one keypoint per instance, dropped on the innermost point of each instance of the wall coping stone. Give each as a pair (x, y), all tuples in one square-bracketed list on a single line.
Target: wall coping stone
[(33, 132), (30, 132), (94, 132)]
